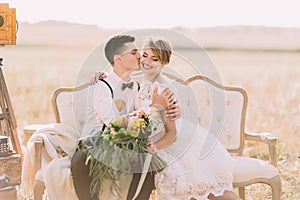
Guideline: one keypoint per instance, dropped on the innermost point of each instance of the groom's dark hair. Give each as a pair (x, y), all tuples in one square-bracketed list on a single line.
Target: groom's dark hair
[(115, 46)]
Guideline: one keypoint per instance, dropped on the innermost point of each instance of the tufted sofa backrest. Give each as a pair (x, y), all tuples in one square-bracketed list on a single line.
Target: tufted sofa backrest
[(221, 110), (69, 105), (217, 108)]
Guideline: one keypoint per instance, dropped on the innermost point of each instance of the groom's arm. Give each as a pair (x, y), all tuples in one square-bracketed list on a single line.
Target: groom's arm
[(103, 104), (173, 111)]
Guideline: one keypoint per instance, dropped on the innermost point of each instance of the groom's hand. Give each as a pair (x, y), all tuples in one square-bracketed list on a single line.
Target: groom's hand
[(174, 111), (95, 78)]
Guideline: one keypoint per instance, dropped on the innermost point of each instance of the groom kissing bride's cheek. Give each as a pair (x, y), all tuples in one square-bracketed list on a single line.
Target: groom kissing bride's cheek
[(130, 146)]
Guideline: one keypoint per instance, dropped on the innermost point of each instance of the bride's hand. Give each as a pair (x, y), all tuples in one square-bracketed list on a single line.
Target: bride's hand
[(151, 148), (162, 101)]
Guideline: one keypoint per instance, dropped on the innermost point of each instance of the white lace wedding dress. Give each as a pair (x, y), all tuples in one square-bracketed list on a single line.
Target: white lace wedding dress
[(187, 173)]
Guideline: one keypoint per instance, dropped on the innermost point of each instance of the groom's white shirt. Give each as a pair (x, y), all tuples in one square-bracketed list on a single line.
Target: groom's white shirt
[(56, 174), (101, 107)]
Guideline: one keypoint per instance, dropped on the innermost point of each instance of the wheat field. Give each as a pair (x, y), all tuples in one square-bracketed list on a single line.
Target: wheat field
[(271, 80)]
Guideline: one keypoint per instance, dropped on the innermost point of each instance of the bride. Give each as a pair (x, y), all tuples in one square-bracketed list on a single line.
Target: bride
[(187, 175)]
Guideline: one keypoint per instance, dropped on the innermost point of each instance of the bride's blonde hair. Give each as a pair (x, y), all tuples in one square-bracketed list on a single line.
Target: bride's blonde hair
[(160, 48)]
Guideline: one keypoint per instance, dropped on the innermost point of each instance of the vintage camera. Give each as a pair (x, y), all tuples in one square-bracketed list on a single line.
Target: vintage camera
[(8, 25)]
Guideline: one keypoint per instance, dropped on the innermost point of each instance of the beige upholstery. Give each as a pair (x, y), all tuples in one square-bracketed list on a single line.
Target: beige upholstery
[(225, 108), (69, 105), (220, 109), (248, 169)]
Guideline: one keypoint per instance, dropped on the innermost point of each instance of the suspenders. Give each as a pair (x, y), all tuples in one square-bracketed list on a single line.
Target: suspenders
[(112, 93)]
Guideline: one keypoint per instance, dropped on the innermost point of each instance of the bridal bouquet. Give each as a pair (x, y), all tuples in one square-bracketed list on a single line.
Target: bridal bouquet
[(120, 149)]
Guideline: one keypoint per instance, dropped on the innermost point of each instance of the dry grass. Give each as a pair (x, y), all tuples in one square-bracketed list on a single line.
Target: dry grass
[(273, 87), (270, 79)]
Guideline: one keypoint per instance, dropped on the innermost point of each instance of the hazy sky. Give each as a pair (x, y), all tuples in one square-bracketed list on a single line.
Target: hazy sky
[(161, 13)]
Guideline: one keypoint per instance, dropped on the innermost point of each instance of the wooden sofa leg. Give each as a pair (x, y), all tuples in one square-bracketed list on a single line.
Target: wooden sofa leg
[(38, 147), (276, 188), (39, 186), (39, 189), (242, 192)]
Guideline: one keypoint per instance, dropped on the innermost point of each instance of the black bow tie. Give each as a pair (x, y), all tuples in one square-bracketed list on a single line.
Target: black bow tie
[(127, 85)]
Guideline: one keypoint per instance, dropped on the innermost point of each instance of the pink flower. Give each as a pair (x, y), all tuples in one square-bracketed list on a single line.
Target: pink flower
[(140, 113), (113, 131)]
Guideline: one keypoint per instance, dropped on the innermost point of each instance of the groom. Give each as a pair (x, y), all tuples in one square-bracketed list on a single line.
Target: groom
[(106, 99)]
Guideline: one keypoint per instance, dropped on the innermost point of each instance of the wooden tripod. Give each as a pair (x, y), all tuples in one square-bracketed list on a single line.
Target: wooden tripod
[(8, 124)]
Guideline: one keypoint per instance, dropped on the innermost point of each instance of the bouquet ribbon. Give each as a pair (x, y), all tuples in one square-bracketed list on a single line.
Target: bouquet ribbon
[(144, 174)]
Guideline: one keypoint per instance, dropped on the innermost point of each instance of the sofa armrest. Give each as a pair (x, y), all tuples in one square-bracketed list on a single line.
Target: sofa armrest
[(38, 147), (268, 139)]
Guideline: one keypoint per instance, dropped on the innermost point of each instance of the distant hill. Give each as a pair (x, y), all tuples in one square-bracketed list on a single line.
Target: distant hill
[(64, 33), (247, 37), (61, 33)]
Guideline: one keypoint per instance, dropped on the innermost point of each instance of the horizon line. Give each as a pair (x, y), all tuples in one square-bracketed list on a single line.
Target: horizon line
[(171, 27)]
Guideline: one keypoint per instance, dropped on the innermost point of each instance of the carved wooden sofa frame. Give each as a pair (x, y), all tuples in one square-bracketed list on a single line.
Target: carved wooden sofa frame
[(248, 170)]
